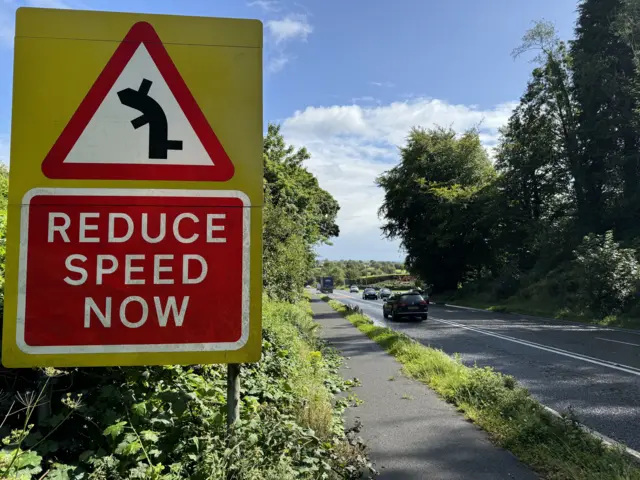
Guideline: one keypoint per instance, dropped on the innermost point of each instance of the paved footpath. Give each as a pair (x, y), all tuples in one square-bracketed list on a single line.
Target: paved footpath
[(419, 436)]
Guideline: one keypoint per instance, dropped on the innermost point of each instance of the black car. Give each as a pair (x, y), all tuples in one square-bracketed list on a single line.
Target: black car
[(412, 305), (370, 294), (384, 293)]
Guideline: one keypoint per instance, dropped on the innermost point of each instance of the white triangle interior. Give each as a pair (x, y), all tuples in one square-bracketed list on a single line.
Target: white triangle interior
[(110, 137)]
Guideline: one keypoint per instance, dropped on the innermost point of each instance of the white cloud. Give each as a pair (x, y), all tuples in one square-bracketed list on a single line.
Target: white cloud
[(383, 84), (266, 5), (351, 145), (293, 26), (277, 63), (280, 32)]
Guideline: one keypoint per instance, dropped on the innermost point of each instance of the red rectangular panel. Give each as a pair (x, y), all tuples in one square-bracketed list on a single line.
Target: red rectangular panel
[(100, 271)]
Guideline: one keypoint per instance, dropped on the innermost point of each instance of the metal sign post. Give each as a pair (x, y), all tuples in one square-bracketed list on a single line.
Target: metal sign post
[(233, 394)]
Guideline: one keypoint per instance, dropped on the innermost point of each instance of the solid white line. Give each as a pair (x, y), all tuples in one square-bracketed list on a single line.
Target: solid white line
[(546, 348), (618, 341)]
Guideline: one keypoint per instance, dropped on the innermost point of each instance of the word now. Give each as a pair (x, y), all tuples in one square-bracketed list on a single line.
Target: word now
[(89, 227), (103, 314)]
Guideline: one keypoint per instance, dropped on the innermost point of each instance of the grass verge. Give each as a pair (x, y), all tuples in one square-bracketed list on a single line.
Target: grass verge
[(555, 447), (169, 422)]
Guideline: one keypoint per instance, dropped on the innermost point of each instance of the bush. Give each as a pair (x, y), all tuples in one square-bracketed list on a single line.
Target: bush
[(169, 422), (608, 274)]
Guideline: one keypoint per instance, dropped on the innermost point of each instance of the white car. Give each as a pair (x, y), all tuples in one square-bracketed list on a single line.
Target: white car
[(354, 289)]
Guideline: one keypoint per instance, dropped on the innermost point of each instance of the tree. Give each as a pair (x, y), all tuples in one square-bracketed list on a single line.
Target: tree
[(291, 186), (286, 255), (535, 188), (551, 90), (605, 76), (337, 273), (428, 203), (298, 215)]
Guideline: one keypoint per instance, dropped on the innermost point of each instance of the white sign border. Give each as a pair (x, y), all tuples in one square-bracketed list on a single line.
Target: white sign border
[(133, 348)]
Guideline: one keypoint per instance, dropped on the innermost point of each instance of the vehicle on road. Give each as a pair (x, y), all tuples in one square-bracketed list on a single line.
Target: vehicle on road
[(326, 285), (411, 305), (384, 293), (354, 289), (370, 294)]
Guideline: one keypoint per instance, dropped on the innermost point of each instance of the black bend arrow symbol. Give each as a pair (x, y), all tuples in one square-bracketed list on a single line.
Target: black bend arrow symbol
[(153, 114)]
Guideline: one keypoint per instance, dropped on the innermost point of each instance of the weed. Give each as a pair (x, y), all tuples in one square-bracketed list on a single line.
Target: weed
[(169, 422), (498, 308)]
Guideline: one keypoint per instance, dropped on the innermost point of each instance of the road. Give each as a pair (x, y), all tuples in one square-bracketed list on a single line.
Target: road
[(595, 371)]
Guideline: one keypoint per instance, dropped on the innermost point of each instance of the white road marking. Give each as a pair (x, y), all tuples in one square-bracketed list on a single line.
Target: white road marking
[(546, 348), (618, 341)]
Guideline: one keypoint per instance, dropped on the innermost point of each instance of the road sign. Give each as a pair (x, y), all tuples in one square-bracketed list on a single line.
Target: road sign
[(135, 217)]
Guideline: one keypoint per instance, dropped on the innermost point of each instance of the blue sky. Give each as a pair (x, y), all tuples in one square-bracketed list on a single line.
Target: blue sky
[(348, 79)]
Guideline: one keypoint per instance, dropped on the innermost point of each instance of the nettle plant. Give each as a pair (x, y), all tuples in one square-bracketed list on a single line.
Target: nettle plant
[(609, 274)]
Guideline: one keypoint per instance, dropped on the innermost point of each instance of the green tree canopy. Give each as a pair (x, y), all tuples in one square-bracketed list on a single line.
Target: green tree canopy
[(439, 175), (298, 215)]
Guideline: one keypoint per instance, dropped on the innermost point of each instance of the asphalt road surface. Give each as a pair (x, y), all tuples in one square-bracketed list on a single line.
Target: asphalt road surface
[(595, 371)]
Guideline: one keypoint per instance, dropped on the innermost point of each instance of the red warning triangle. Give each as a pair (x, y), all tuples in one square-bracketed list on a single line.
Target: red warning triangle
[(139, 121)]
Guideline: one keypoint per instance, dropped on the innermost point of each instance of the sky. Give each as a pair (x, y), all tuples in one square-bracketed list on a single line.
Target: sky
[(348, 80)]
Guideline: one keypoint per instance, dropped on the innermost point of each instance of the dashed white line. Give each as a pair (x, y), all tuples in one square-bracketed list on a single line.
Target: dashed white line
[(618, 341)]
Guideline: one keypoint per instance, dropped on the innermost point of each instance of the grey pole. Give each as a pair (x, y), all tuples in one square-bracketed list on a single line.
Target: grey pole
[(233, 394)]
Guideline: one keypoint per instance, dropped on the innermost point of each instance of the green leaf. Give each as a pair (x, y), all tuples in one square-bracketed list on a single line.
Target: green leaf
[(140, 409), (149, 436), (60, 472), (27, 459), (114, 430)]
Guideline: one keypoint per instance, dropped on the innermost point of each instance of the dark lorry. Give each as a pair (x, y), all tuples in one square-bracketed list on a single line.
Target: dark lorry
[(326, 285)]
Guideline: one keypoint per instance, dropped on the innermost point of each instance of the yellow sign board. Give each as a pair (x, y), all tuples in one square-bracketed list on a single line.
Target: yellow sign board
[(135, 195)]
